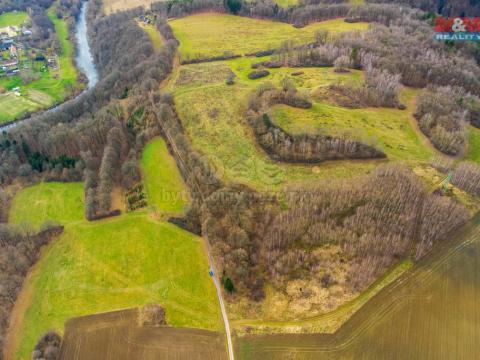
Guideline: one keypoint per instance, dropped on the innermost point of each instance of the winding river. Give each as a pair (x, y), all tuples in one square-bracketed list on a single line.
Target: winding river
[(432, 312), (83, 59)]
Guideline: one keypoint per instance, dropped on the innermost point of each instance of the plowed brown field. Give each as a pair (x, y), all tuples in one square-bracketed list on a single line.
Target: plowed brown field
[(117, 336)]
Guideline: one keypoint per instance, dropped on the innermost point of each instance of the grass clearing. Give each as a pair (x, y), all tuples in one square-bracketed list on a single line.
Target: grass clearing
[(164, 185), (48, 201), (213, 115), (153, 33), (13, 18), (211, 34), (112, 6), (473, 144), (107, 265), (286, 3), (386, 129), (14, 106)]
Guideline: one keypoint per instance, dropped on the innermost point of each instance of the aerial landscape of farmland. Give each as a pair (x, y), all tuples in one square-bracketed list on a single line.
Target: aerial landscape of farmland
[(239, 179)]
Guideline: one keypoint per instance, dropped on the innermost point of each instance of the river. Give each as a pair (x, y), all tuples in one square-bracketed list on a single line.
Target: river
[(83, 59), (432, 312)]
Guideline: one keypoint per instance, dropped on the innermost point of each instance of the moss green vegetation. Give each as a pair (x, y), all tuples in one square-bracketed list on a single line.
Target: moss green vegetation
[(213, 114), (474, 144), (153, 33), (286, 3), (112, 264), (53, 86), (48, 202), (164, 185), (206, 35), (12, 18), (13, 105), (386, 129)]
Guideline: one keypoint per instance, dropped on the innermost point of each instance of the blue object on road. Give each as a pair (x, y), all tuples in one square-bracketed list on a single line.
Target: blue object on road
[(211, 272)]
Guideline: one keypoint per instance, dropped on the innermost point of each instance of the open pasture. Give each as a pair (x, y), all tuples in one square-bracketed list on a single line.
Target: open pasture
[(14, 18), (210, 34), (213, 114), (50, 201), (14, 106), (112, 264), (386, 129), (112, 6)]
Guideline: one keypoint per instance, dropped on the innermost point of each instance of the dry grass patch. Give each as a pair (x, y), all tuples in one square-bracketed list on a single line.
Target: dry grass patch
[(211, 34)]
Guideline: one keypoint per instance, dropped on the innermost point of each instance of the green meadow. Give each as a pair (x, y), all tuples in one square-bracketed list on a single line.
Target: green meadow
[(48, 201), (213, 115), (386, 129), (112, 264), (211, 34), (153, 33), (163, 183), (13, 18)]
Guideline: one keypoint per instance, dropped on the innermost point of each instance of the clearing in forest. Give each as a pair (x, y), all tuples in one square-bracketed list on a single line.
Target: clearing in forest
[(112, 6), (211, 34), (164, 185), (213, 114), (153, 33), (48, 201)]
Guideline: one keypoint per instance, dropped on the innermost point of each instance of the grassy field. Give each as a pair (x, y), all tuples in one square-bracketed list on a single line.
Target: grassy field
[(112, 264), (474, 144), (111, 6), (286, 3), (153, 33), (210, 34), (164, 185), (48, 202), (213, 114), (12, 18), (13, 106), (386, 129)]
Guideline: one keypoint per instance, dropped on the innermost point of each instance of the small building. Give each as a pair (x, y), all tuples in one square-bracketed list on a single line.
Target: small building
[(26, 32), (5, 44)]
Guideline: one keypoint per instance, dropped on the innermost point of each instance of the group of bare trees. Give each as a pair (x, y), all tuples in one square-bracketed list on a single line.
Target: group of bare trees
[(442, 115), (444, 7)]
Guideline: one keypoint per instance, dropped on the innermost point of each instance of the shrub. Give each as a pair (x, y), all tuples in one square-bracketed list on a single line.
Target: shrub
[(152, 315), (258, 74), (342, 64), (48, 347)]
